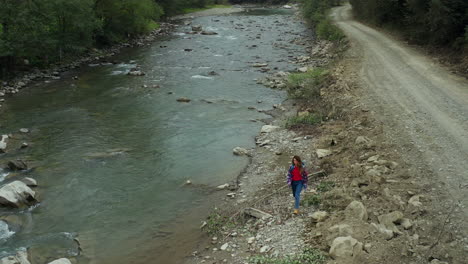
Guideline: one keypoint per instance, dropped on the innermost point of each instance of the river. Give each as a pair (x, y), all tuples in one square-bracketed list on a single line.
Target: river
[(111, 152)]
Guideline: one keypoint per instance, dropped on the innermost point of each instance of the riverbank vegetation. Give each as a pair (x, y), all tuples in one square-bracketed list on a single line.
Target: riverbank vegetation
[(40, 33), (316, 13)]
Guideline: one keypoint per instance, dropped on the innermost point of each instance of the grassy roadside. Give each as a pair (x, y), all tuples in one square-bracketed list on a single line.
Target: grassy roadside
[(193, 10)]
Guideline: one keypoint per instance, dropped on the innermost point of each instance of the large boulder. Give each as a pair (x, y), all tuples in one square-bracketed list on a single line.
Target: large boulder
[(21, 257), (17, 194), (17, 165), (61, 261), (345, 248), (356, 210)]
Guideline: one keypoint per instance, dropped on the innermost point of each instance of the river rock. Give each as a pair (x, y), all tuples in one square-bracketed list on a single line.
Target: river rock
[(345, 248), (238, 151), (269, 128), (223, 186), (209, 33), (319, 216), (388, 234), (16, 194), (259, 65), (322, 153), (29, 182), (3, 144), (303, 69), (183, 100), (414, 201), (21, 257), (24, 130), (224, 246), (287, 7), (17, 165), (356, 210), (135, 73), (61, 261), (197, 28), (389, 220), (24, 145)]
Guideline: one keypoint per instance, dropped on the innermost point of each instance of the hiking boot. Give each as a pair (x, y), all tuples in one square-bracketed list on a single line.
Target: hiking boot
[(296, 211)]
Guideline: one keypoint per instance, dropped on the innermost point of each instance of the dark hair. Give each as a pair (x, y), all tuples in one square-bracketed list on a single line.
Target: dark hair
[(298, 161)]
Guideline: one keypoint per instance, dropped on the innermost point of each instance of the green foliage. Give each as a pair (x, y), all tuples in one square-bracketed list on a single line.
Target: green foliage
[(434, 22), (309, 119), (315, 12), (216, 222), (309, 256), (325, 186), (326, 30), (311, 200), (308, 84), (191, 10)]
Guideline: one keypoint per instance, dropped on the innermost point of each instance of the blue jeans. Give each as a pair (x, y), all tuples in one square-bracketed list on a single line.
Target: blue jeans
[(296, 189)]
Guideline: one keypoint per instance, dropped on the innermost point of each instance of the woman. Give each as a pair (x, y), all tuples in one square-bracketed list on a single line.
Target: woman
[(297, 179)]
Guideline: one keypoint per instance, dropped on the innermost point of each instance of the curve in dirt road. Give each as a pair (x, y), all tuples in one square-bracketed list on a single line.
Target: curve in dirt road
[(422, 105)]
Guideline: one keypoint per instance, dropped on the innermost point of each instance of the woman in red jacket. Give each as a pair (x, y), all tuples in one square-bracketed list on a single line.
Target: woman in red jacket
[(297, 179)]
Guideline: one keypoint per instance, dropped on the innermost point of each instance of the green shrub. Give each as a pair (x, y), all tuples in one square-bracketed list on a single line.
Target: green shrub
[(309, 119), (311, 200), (309, 256), (306, 85), (216, 222), (326, 30), (325, 186)]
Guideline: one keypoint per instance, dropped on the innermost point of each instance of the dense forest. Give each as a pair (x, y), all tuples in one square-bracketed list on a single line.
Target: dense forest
[(433, 22)]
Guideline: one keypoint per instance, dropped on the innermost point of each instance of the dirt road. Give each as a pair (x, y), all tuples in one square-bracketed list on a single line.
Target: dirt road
[(424, 110)]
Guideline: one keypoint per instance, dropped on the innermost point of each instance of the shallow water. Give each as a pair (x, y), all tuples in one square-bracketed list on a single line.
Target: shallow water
[(112, 156)]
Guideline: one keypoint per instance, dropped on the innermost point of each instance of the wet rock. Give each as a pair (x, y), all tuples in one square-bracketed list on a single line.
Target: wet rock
[(287, 7), (24, 130), (345, 248), (136, 73), (322, 153), (260, 65), (319, 216), (183, 100), (238, 151), (269, 128), (29, 182), (61, 261), (16, 194), (209, 33), (3, 144), (17, 165), (21, 257), (223, 186), (356, 210), (197, 28), (24, 145)]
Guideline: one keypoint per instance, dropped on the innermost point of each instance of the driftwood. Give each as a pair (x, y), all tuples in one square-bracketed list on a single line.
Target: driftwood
[(257, 213)]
